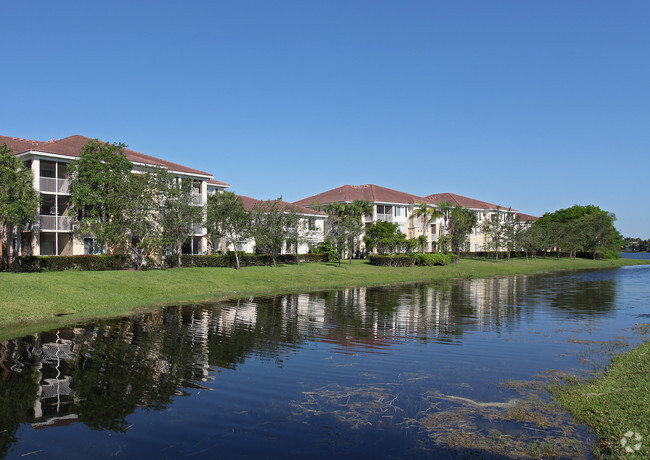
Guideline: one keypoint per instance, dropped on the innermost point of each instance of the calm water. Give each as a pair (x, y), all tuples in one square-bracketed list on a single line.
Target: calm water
[(407, 372)]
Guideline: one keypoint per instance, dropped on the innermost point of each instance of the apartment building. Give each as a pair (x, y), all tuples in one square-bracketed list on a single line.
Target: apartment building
[(312, 220), (52, 232), (388, 205)]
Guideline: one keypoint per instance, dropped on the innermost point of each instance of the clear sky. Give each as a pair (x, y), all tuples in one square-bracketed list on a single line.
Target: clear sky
[(537, 105)]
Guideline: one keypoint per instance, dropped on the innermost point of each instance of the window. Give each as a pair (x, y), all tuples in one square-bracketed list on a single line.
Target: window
[(477, 247), (401, 227), (383, 209), (400, 211), (477, 231), (433, 229), (384, 213), (311, 223), (91, 247)]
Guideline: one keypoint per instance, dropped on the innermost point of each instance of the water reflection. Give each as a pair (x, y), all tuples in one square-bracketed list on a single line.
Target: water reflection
[(99, 373)]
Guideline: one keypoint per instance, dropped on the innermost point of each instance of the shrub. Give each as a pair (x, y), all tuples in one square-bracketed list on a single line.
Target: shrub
[(391, 260), (82, 262), (409, 260), (609, 254), (327, 249), (436, 258), (245, 260)]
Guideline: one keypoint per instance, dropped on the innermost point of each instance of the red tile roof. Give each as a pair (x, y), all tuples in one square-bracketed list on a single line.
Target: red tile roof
[(459, 200), (250, 203), (525, 217), (368, 192), (216, 182), (19, 145), (71, 146)]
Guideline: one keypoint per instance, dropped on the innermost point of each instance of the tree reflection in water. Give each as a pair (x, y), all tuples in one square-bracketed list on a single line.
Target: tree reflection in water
[(102, 372)]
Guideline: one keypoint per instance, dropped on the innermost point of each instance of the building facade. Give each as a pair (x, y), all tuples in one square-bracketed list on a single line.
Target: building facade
[(53, 232)]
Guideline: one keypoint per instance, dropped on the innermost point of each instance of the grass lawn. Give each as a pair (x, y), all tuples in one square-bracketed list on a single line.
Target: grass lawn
[(37, 301), (616, 405)]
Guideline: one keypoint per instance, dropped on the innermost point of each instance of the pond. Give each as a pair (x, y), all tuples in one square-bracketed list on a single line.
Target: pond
[(442, 370)]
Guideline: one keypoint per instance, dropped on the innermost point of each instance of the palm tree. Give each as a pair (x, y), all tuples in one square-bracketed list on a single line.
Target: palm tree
[(347, 223), (444, 208), (428, 213)]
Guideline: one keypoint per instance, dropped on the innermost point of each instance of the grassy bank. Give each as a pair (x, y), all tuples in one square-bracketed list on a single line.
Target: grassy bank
[(29, 301), (616, 405)]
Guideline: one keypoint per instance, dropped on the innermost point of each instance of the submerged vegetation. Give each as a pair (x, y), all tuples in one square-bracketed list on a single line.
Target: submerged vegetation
[(616, 404)]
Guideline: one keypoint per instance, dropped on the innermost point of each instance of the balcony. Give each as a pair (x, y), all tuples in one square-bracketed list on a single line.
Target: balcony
[(52, 185), (197, 199), (61, 223), (384, 217)]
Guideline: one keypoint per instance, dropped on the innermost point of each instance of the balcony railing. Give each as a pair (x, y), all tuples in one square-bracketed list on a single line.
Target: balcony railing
[(62, 223), (385, 217), (52, 185), (197, 199)]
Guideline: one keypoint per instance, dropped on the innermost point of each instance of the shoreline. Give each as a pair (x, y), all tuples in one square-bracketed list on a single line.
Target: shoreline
[(39, 301), (615, 404)]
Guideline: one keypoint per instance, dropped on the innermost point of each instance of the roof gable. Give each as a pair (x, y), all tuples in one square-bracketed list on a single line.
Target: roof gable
[(369, 192), (459, 200), (251, 203)]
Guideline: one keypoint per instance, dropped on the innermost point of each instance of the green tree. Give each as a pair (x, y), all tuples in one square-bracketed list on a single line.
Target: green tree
[(178, 212), (385, 237), (579, 227), (494, 227), (444, 208), (18, 201), (427, 213), (599, 232), (346, 224), (227, 219), (271, 227), (139, 217), (101, 189), (297, 226), (461, 223), (531, 240)]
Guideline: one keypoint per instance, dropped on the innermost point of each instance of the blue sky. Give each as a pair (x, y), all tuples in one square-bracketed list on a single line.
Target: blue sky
[(533, 105)]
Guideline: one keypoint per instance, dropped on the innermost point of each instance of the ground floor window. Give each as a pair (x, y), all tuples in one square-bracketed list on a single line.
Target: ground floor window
[(192, 246), (92, 247), (477, 247)]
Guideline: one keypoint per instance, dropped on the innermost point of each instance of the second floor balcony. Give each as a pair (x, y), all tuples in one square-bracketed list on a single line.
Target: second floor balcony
[(197, 199), (384, 217), (52, 185), (61, 223)]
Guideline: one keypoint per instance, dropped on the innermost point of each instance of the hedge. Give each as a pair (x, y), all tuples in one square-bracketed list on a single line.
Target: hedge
[(83, 262), (409, 260), (245, 260)]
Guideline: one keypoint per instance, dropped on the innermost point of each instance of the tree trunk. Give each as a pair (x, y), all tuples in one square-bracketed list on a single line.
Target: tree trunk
[(179, 254), (4, 256), (236, 260)]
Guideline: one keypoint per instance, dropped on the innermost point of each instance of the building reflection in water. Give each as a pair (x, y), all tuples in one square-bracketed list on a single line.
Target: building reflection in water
[(101, 372)]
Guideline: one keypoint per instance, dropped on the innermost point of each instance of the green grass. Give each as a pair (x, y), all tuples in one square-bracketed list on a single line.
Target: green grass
[(616, 403), (29, 301)]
